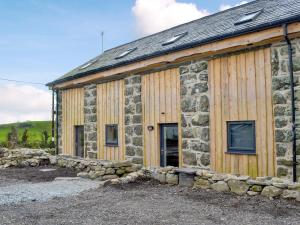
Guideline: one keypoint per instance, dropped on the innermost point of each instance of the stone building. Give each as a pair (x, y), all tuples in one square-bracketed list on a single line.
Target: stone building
[(221, 92)]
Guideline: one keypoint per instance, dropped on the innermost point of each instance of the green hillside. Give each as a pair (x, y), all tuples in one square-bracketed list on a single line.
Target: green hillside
[(35, 129)]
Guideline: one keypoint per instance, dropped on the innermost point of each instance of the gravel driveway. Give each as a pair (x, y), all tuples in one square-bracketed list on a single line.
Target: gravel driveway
[(32, 184), (147, 202)]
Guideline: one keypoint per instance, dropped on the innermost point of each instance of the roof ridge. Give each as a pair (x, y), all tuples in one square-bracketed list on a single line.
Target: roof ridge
[(179, 25)]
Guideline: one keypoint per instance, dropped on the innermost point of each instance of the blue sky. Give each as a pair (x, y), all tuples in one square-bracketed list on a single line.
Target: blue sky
[(41, 40)]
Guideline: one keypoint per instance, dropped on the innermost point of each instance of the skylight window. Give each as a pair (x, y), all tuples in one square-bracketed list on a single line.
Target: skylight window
[(248, 17), (174, 38), (127, 52), (88, 64)]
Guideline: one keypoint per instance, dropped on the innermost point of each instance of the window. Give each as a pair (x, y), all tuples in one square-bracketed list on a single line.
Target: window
[(174, 38), (111, 132), (241, 137), (248, 17), (123, 54), (88, 64)]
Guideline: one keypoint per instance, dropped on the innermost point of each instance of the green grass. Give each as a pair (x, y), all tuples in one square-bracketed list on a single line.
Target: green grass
[(35, 129)]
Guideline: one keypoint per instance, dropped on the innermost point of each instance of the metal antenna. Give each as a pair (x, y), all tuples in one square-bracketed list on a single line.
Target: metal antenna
[(102, 37)]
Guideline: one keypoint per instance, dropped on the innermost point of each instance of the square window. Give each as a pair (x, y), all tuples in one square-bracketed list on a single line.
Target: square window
[(111, 132), (241, 137)]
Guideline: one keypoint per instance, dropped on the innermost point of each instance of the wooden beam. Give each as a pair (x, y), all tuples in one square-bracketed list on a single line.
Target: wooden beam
[(231, 44)]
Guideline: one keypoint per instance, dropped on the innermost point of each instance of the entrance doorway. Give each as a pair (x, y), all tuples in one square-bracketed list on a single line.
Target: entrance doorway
[(169, 145), (79, 141)]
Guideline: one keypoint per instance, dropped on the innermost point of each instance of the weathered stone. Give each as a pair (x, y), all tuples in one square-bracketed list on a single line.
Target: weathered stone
[(172, 179), (204, 104), (202, 184), (271, 192), (252, 193), (205, 159), (238, 187), (290, 194), (220, 186), (109, 171), (161, 177), (188, 105), (282, 171), (219, 177), (83, 175), (279, 98), (109, 177), (256, 188), (120, 171), (189, 158), (200, 120)]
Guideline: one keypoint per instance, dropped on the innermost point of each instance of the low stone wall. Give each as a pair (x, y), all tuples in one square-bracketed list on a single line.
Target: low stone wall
[(271, 187), (86, 168), (96, 169), (23, 157)]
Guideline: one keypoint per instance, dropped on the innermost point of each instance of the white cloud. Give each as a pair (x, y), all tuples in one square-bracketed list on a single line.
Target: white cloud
[(157, 15), (224, 7), (22, 102)]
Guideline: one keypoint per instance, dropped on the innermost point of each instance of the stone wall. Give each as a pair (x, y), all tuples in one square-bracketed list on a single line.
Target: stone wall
[(282, 105), (133, 119), (195, 114), (59, 118), (240, 185), (90, 120)]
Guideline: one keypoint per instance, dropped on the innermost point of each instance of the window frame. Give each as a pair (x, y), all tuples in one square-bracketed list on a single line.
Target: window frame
[(111, 144), (241, 150)]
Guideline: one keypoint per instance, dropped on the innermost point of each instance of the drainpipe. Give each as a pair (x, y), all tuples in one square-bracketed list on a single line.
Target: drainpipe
[(57, 122), (53, 112), (291, 70)]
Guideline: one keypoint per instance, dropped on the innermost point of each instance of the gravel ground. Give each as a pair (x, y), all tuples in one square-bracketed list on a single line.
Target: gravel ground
[(31, 184), (147, 202)]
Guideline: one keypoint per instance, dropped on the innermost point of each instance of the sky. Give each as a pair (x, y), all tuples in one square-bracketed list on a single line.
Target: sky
[(41, 40)]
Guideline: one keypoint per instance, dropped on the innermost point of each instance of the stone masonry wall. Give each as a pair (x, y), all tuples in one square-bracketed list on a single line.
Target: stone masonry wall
[(59, 118), (90, 120), (195, 114), (282, 105), (133, 119)]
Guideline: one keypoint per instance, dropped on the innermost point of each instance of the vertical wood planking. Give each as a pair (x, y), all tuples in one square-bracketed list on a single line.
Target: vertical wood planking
[(161, 104), (212, 115), (110, 110), (72, 115), (240, 89)]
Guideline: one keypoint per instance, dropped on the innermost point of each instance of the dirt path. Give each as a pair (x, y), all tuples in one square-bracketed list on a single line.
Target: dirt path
[(152, 203)]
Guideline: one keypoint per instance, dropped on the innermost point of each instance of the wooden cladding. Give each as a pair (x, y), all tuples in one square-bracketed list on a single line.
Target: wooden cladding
[(240, 89), (110, 111), (72, 115), (161, 104)]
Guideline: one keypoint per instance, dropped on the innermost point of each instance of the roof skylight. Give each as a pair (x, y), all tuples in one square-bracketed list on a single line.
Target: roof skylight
[(88, 64), (123, 54), (175, 38), (248, 17)]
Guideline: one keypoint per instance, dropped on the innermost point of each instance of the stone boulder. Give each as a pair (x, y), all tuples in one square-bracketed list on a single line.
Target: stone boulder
[(238, 187), (202, 184), (271, 191), (220, 186)]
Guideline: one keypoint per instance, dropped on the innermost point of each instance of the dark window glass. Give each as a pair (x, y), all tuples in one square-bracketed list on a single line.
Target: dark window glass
[(111, 134), (241, 136)]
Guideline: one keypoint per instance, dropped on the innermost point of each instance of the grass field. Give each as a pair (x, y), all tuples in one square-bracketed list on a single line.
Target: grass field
[(35, 129)]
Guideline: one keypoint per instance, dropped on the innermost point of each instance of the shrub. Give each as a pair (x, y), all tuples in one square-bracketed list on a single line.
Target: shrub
[(12, 137), (24, 140)]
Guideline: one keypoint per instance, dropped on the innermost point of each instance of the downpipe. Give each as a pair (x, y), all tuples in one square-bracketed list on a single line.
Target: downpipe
[(291, 70), (56, 110)]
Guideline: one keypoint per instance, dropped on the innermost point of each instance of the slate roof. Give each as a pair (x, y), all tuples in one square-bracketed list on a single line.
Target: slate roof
[(208, 29)]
